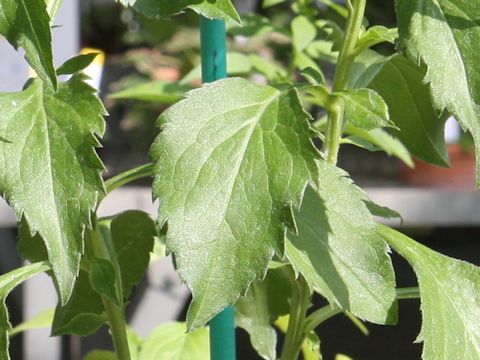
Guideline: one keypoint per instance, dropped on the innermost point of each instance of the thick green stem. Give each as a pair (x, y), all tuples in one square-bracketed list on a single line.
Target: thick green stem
[(115, 313), (342, 73), (295, 335)]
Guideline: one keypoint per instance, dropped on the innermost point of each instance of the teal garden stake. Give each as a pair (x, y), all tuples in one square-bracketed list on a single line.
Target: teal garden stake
[(214, 67)]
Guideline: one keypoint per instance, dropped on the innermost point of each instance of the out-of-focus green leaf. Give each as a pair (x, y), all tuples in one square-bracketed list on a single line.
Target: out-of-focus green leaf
[(42, 320), (304, 32), (153, 91)]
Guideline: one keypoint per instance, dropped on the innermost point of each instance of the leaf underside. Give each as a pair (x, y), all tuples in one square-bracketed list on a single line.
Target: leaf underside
[(49, 132), (445, 36), (228, 172), (338, 251)]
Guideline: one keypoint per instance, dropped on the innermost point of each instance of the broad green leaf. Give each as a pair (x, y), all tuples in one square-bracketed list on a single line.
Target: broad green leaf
[(228, 171), (364, 108), (8, 282), (26, 24), (338, 251), (450, 297), (304, 32), (213, 9), (265, 301), (133, 235), (366, 66), (32, 248), (103, 278), (445, 35), (76, 64), (153, 91), (48, 133), (171, 341), (83, 314), (42, 320), (420, 128)]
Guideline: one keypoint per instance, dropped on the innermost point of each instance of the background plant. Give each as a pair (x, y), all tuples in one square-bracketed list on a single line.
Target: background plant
[(253, 212)]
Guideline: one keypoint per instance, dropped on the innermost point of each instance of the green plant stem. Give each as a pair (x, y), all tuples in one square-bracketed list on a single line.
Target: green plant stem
[(342, 73), (319, 316), (115, 313), (128, 176), (408, 293), (295, 335)]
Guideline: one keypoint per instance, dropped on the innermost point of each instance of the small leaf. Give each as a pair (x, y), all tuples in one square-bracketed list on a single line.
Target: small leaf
[(153, 91), (365, 109), (219, 9), (338, 251), (376, 35), (76, 64), (83, 314), (303, 32), (50, 132), (382, 211), (272, 71), (8, 282), (450, 297), (171, 341), (270, 3), (252, 25), (133, 235), (102, 278), (314, 77), (227, 173), (445, 36), (265, 301), (42, 320), (26, 24), (238, 63)]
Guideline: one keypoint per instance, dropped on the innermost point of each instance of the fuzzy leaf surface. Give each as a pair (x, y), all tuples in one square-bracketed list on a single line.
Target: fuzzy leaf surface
[(49, 132), (445, 36), (365, 109), (171, 341), (264, 302), (8, 282), (420, 128), (228, 172), (338, 251), (26, 24), (450, 297)]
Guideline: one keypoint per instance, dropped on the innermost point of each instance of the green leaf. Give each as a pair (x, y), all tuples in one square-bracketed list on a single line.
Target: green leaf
[(133, 235), (420, 128), (272, 71), (382, 211), (269, 3), (32, 248), (213, 9), (228, 171), (383, 140), (304, 32), (376, 35), (450, 296), (365, 109), (265, 301), (52, 7), (219, 9), (26, 24), (252, 25), (171, 341), (49, 133), (76, 64), (102, 278), (101, 355), (153, 91), (238, 63), (8, 282), (42, 320), (83, 314), (445, 35), (338, 251)]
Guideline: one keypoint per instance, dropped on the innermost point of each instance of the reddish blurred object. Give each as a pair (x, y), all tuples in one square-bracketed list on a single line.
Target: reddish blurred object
[(460, 174)]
